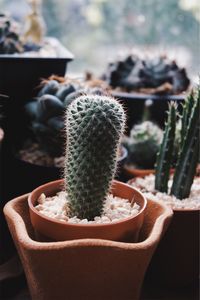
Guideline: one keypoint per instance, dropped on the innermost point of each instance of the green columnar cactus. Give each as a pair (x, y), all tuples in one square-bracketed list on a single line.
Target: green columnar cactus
[(187, 110), (143, 144), (188, 156), (94, 125), (165, 155)]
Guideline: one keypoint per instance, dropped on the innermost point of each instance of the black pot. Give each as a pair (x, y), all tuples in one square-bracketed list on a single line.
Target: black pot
[(19, 76), (134, 106), (19, 79), (23, 176)]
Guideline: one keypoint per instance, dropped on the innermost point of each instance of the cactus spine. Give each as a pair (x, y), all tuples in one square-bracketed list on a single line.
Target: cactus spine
[(94, 126), (165, 155), (188, 157)]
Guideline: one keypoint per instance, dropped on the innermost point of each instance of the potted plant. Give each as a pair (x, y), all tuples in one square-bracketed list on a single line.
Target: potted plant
[(135, 79), (39, 149), (28, 49), (24, 48), (176, 259), (143, 145), (94, 128)]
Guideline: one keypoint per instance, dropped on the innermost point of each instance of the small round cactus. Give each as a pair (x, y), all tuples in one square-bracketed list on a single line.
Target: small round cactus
[(143, 144), (94, 125)]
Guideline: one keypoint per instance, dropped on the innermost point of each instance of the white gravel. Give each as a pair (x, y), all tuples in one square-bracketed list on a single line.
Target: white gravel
[(115, 209), (146, 186)]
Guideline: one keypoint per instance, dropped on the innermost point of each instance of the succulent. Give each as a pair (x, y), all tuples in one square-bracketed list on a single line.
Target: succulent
[(188, 152), (47, 115), (9, 37), (157, 75), (94, 125), (46, 112), (143, 144), (165, 154)]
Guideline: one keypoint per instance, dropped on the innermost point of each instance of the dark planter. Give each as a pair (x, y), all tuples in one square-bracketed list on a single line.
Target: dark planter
[(20, 75), (19, 78), (134, 105), (31, 174), (175, 263)]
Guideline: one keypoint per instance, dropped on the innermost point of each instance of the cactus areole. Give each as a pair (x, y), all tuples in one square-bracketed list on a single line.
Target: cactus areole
[(94, 125)]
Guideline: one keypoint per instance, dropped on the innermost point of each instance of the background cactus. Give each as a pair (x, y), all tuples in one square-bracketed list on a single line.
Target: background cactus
[(165, 154), (94, 127), (188, 152), (46, 112), (9, 37), (143, 144), (156, 75)]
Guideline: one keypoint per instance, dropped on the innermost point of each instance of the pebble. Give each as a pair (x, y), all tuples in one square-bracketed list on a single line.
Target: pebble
[(115, 209), (146, 185)]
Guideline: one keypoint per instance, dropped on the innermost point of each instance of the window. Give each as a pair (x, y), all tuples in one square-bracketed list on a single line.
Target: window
[(97, 31)]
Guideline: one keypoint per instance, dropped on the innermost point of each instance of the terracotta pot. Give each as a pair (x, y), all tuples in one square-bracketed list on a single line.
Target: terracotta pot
[(123, 230), (87, 268), (133, 172), (176, 261)]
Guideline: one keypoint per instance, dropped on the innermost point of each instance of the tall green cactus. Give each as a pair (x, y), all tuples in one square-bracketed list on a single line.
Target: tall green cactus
[(187, 110), (165, 155), (94, 126), (189, 154)]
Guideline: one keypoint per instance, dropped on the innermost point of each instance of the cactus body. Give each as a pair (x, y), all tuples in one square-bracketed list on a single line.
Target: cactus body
[(48, 109), (48, 106), (94, 126), (188, 157), (165, 155), (51, 87), (143, 144), (187, 110), (64, 91)]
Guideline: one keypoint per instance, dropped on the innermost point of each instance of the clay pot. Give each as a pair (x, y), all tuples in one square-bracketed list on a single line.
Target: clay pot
[(87, 268), (123, 230), (134, 172), (176, 260)]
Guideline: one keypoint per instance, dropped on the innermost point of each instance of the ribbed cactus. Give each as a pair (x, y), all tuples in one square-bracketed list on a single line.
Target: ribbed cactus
[(187, 110), (143, 144), (165, 155), (189, 153), (94, 126)]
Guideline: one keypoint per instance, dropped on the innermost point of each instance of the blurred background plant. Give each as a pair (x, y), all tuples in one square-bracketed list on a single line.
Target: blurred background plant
[(111, 27)]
